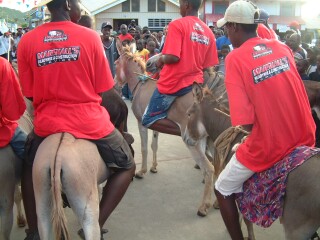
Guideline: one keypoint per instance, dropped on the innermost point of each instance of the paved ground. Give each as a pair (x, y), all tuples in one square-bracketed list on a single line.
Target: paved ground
[(163, 206)]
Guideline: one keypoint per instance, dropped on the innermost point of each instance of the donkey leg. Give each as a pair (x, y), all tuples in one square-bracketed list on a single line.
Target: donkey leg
[(42, 185), (249, 226), (144, 150), (198, 154), (21, 221), (154, 147), (6, 215), (85, 205)]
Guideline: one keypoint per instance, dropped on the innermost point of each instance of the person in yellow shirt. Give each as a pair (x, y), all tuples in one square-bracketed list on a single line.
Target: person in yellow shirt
[(141, 49)]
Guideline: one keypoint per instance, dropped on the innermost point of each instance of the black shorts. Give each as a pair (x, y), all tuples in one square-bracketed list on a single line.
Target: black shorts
[(113, 149)]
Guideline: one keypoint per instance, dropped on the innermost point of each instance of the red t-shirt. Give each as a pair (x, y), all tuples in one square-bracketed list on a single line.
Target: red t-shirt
[(265, 32), (126, 36), (63, 68), (12, 104), (265, 89), (192, 41)]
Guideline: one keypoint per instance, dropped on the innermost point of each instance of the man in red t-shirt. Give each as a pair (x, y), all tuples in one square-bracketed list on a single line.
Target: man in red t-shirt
[(12, 107), (267, 98), (63, 70), (124, 33), (190, 49)]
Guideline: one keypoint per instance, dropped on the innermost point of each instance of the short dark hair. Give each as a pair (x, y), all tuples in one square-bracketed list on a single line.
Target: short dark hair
[(55, 4), (249, 28), (195, 3)]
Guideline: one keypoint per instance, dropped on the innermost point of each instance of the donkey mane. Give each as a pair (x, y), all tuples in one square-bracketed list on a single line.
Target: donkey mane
[(131, 56), (217, 97)]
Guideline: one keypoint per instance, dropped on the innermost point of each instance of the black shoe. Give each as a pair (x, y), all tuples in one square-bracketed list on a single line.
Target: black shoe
[(315, 236), (32, 235)]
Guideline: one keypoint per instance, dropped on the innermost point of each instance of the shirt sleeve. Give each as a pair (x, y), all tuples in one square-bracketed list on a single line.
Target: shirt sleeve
[(241, 108), (103, 80), (12, 102), (173, 42), (25, 71)]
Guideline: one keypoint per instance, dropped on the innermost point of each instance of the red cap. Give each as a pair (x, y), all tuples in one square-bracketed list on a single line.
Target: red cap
[(294, 24)]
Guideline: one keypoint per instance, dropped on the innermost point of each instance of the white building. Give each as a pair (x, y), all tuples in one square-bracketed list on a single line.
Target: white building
[(154, 14), (282, 12)]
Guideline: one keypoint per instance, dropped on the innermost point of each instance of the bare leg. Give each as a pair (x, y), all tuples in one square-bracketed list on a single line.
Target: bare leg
[(230, 215), (113, 192), (166, 126)]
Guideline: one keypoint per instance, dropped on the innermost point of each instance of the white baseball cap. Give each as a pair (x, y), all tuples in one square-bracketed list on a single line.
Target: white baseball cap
[(241, 11), (43, 2)]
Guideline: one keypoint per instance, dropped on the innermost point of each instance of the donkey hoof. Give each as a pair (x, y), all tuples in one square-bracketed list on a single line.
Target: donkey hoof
[(139, 175), (153, 170), (201, 214), (196, 166)]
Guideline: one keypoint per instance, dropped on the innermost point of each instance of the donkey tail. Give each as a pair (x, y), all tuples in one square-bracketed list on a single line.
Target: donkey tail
[(58, 216)]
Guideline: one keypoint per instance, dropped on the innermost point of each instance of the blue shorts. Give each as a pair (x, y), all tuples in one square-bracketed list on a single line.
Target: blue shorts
[(160, 104)]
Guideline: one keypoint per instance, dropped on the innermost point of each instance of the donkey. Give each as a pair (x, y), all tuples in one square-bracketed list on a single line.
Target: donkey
[(130, 68), (301, 209), (10, 174), (74, 166)]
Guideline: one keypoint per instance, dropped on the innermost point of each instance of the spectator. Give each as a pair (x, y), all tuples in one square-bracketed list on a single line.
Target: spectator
[(294, 42), (294, 25), (132, 32), (124, 33), (151, 47), (132, 24), (86, 21), (225, 50), (163, 39), (315, 76), (142, 52), (264, 31), (302, 67), (109, 46), (223, 40), (312, 59), (210, 25)]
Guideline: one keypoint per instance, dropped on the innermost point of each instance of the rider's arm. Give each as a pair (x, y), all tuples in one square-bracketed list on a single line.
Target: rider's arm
[(248, 127), (167, 59)]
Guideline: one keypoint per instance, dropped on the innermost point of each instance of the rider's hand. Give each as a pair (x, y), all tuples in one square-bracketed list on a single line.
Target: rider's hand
[(160, 62)]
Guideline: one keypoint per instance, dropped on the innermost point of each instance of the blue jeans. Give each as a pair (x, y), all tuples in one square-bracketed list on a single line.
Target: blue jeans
[(17, 142)]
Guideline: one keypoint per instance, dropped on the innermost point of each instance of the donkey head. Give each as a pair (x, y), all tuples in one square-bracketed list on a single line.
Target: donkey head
[(128, 64), (195, 129)]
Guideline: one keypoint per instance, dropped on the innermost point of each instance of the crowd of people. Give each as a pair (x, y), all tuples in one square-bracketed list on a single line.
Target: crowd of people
[(238, 46)]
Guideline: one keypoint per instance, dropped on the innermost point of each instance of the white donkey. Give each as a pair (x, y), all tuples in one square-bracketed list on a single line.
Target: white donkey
[(74, 166)]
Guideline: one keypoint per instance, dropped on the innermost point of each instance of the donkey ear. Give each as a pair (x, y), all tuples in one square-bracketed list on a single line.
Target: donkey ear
[(119, 46), (133, 47), (197, 92)]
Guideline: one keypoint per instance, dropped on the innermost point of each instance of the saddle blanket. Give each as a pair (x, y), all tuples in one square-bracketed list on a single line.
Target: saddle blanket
[(159, 105), (261, 201)]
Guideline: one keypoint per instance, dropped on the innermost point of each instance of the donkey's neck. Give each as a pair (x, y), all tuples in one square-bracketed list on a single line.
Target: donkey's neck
[(215, 121)]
